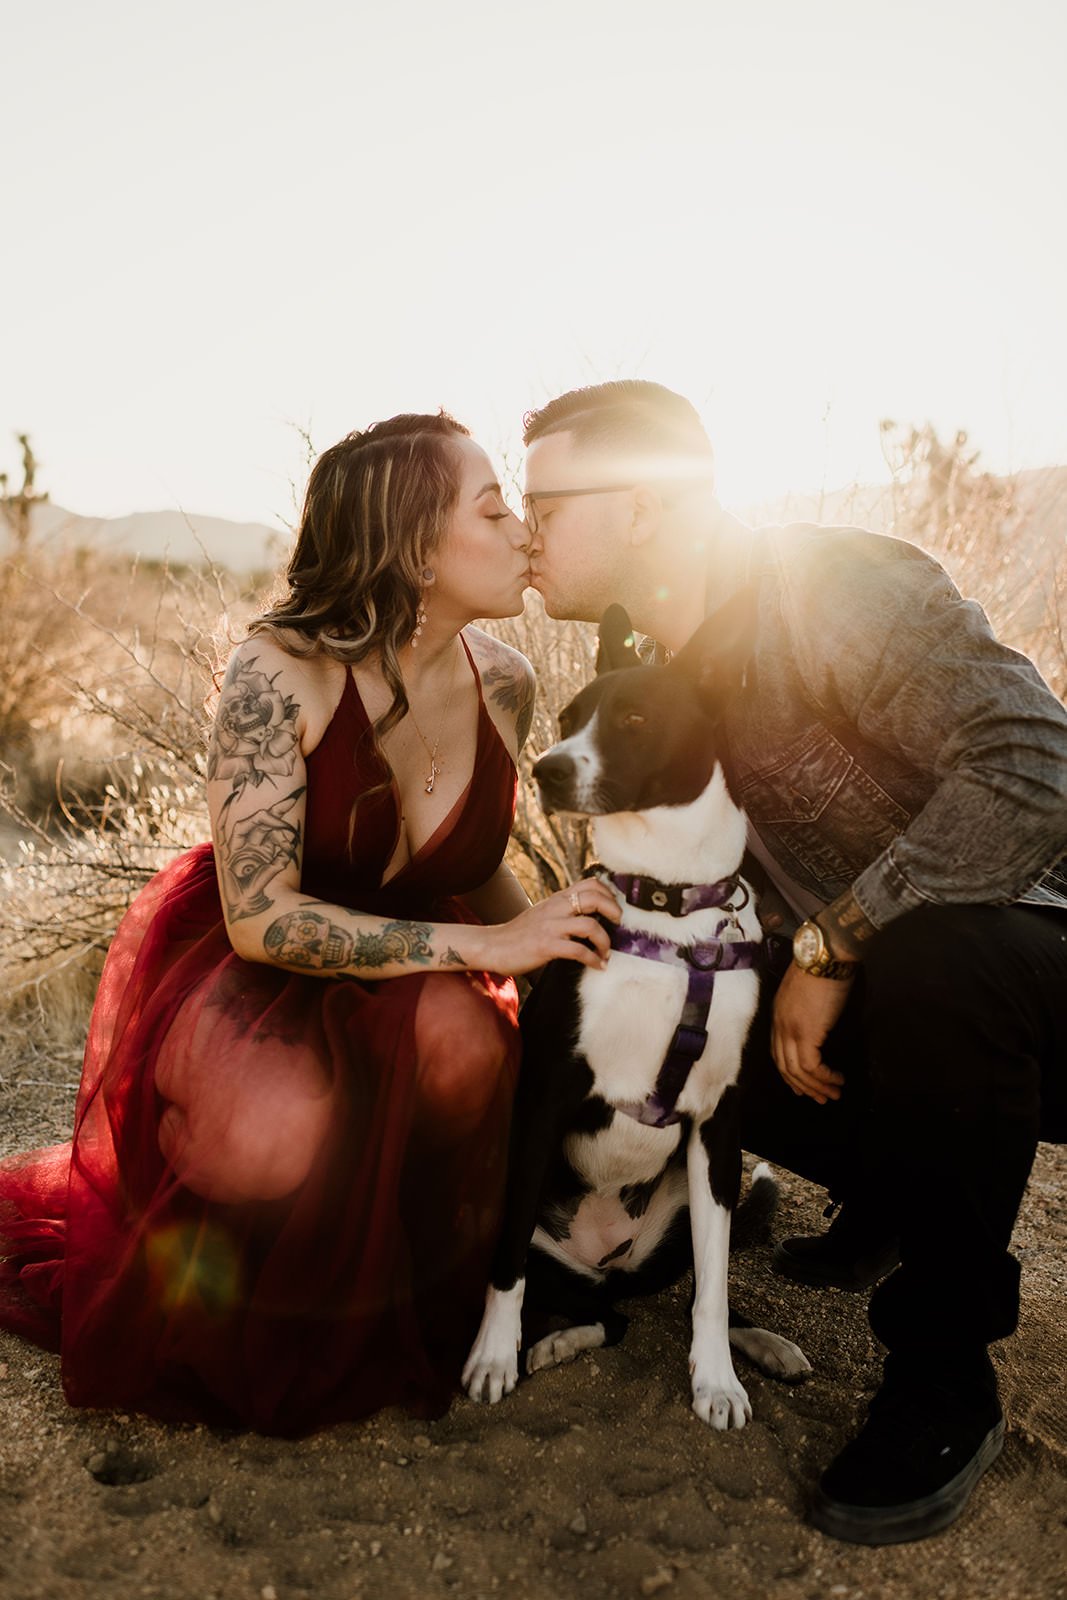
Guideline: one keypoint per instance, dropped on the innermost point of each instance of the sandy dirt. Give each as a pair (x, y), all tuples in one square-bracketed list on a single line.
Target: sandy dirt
[(594, 1480)]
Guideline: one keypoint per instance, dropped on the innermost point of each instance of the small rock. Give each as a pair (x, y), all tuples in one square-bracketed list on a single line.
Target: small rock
[(423, 1441), (376, 1547), (657, 1580), (96, 1463), (441, 1562), (578, 1524), (214, 1513), (3, 1369), (268, 1592)]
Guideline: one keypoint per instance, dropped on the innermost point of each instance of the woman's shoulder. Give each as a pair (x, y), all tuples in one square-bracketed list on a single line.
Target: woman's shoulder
[(308, 686), (270, 652), (508, 682)]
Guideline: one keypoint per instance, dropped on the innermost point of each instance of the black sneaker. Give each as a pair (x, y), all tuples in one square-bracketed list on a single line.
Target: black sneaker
[(854, 1252), (910, 1470)]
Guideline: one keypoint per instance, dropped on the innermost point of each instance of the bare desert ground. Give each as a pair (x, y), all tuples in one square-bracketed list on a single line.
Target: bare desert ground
[(594, 1480)]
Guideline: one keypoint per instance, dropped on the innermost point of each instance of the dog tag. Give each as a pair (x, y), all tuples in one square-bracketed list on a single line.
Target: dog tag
[(732, 933)]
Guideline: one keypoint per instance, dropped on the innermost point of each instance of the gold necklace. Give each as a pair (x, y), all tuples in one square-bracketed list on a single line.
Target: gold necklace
[(434, 768)]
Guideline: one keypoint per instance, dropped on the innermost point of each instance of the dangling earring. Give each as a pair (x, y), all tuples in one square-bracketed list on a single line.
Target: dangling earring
[(428, 576)]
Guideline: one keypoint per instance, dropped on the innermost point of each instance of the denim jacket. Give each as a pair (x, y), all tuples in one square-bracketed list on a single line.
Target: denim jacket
[(885, 741)]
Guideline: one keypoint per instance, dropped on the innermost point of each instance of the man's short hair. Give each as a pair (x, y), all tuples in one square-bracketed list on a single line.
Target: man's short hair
[(630, 417)]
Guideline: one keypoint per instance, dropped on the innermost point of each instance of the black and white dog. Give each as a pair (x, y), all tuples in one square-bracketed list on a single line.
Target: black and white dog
[(625, 1160)]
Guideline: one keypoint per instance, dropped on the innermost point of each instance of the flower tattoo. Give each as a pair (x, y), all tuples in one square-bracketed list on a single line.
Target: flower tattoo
[(255, 730)]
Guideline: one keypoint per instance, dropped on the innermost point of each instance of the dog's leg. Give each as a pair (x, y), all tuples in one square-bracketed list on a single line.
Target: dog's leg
[(550, 1084), (492, 1367), (714, 1162)]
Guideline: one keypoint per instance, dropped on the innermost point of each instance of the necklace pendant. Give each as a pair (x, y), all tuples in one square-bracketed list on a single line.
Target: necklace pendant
[(432, 779)]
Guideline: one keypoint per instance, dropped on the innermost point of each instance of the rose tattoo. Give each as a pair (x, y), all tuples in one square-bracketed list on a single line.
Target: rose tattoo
[(255, 730)]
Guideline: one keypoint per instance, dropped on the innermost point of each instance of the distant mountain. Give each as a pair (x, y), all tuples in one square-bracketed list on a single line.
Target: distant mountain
[(242, 547), (1040, 525)]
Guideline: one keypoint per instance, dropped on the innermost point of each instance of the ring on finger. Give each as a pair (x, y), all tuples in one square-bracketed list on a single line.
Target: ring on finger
[(576, 902)]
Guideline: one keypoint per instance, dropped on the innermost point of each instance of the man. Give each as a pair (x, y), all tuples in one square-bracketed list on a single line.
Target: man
[(905, 778)]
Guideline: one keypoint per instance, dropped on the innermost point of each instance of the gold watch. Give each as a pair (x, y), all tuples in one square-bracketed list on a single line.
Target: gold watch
[(812, 954)]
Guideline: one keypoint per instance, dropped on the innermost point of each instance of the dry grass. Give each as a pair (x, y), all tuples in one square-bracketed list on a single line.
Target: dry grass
[(106, 674)]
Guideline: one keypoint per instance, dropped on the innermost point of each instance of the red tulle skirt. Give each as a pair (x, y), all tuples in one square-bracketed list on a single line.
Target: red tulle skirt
[(281, 1197)]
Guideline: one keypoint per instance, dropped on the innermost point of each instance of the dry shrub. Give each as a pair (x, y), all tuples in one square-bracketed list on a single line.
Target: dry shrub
[(114, 787), (107, 672), (1001, 538), (547, 851)]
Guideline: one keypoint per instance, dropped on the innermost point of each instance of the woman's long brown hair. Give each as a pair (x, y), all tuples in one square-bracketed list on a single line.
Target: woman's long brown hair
[(376, 507)]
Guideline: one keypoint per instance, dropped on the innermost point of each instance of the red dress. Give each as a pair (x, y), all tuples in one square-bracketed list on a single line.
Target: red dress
[(363, 1286)]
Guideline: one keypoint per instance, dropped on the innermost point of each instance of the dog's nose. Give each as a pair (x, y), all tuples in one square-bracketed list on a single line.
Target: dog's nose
[(553, 770)]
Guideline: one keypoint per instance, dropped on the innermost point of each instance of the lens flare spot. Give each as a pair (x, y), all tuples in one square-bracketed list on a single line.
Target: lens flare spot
[(193, 1265), (663, 593)]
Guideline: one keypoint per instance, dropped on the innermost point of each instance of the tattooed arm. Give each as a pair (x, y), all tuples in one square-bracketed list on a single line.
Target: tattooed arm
[(508, 685), (847, 928), (270, 707), (256, 799)]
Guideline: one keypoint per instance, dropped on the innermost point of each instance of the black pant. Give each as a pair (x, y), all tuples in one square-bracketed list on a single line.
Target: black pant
[(953, 1044)]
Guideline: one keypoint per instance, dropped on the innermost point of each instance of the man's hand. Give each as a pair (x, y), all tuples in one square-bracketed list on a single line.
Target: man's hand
[(805, 1009)]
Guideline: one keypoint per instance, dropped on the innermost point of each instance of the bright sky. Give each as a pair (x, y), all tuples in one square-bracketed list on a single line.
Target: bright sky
[(228, 216)]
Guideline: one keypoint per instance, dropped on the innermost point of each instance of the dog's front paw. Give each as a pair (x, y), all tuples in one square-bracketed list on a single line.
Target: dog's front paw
[(720, 1402), (492, 1368)]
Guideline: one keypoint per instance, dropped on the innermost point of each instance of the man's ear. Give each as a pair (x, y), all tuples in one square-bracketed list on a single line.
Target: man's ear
[(646, 515), (715, 657), (617, 648)]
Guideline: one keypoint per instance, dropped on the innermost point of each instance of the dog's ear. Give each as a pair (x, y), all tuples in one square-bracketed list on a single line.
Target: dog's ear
[(716, 656), (616, 648)]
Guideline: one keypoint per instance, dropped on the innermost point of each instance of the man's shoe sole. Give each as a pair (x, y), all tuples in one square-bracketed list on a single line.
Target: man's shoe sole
[(814, 1276), (917, 1519)]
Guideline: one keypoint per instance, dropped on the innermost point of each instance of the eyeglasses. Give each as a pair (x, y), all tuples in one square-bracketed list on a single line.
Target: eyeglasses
[(529, 510)]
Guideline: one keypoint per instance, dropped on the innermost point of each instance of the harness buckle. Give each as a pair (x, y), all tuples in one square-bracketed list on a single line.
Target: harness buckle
[(688, 1041), (706, 956)]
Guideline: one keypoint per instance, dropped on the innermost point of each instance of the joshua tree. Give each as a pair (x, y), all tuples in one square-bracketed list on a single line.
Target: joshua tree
[(17, 505)]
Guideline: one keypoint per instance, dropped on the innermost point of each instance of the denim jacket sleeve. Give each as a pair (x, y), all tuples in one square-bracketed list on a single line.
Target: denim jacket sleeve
[(884, 641)]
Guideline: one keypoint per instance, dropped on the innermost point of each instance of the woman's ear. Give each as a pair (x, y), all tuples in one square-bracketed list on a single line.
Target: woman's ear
[(616, 648), (716, 656)]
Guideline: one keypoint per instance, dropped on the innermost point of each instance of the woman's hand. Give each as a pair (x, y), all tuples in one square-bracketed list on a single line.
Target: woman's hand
[(553, 930)]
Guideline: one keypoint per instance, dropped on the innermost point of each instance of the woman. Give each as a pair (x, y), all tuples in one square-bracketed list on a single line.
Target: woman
[(290, 1138)]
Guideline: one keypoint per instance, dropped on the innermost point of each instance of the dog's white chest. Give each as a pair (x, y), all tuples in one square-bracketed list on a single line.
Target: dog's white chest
[(628, 1017)]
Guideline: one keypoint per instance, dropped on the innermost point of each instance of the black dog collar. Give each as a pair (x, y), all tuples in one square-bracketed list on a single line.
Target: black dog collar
[(676, 899)]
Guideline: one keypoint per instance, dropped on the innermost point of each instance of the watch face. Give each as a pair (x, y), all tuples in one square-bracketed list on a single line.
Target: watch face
[(807, 945)]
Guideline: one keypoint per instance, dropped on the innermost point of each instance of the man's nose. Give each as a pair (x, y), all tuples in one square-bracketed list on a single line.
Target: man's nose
[(520, 533)]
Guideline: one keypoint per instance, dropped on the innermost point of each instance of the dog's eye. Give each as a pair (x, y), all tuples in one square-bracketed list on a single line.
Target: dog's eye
[(633, 719)]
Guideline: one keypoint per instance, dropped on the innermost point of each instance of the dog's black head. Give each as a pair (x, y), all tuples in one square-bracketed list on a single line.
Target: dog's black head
[(642, 736)]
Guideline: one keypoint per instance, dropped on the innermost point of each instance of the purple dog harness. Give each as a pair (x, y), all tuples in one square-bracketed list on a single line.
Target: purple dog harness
[(703, 958)]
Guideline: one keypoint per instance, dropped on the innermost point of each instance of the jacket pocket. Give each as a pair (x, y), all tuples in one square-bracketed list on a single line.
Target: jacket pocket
[(829, 814)]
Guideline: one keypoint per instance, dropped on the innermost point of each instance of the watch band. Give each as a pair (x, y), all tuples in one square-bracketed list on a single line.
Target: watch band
[(830, 967)]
